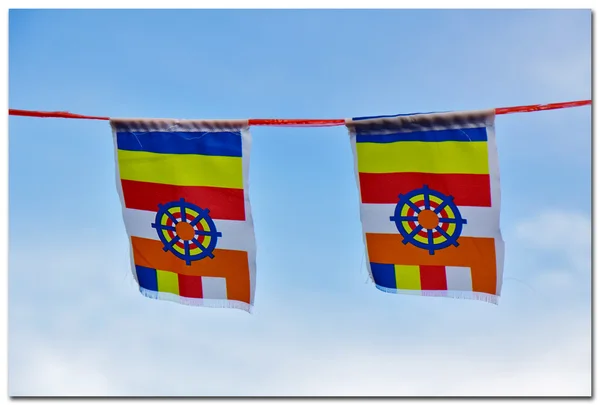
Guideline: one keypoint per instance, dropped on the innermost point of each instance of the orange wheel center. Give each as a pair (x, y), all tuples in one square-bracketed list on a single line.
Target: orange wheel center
[(185, 231), (428, 219)]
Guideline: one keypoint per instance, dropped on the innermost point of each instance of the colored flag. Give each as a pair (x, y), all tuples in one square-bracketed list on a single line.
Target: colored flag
[(429, 188), (184, 192)]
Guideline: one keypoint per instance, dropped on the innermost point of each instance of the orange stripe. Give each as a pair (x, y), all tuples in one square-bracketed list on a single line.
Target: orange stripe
[(230, 264), (477, 253)]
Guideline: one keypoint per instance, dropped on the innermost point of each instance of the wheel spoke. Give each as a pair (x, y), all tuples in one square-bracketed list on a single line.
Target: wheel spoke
[(426, 197), (173, 241), (441, 206), (415, 231), (171, 216), (442, 232), (413, 206), (445, 235), (405, 218), (183, 216), (430, 240), (164, 227), (200, 246), (447, 220)]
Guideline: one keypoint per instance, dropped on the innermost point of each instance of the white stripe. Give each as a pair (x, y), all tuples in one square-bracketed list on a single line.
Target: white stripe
[(481, 221), (493, 167), (214, 288), (236, 235), (122, 199), (459, 278), (496, 194), (352, 135), (499, 264), (249, 223)]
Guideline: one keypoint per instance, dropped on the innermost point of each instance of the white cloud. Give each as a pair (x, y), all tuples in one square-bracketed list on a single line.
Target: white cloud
[(43, 370), (559, 231), (534, 359), (79, 327)]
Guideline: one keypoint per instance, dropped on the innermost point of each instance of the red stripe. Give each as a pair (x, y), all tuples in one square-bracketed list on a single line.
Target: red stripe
[(190, 286), (433, 278), (223, 203), (468, 189)]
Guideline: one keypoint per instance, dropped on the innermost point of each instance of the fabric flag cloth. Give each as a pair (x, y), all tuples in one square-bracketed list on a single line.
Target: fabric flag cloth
[(184, 192), (429, 188)]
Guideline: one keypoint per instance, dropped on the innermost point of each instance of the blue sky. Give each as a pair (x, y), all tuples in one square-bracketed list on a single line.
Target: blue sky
[(78, 325)]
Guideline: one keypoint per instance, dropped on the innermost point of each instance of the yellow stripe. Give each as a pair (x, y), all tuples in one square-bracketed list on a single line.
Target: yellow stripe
[(193, 250), (167, 281), (192, 212), (435, 199), (206, 241), (416, 198), (163, 219), (439, 239), (181, 170), (407, 277), (421, 239), (202, 224), (423, 157)]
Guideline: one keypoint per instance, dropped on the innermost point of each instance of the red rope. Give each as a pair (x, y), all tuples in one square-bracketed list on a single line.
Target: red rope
[(54, 114), (296, 122), (303, 122), (542, 107)]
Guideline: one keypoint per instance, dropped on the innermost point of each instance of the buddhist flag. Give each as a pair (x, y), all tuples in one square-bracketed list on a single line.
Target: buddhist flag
[(430, 203), (184, 192)]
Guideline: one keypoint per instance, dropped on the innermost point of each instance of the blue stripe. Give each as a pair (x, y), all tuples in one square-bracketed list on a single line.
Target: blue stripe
[(463, 134), (199, 143), (384, 274), (147, 278)]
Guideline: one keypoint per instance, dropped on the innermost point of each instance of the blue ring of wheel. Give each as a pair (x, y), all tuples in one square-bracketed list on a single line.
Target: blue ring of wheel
[(426, 192), (205, 251)]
